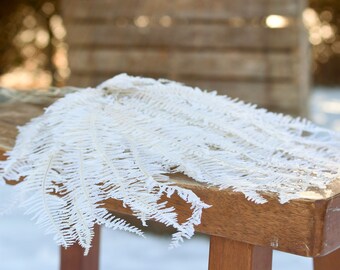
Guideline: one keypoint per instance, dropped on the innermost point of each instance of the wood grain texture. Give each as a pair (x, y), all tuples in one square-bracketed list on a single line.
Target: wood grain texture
[(295, 227), (12, 115), (281, 94), (331, 229), (227, 254), (236, 64), (303, 68), (183, 36), (328, 262), (193, 9), (73, 257), (306, 226), (39, 97), (207, 39)]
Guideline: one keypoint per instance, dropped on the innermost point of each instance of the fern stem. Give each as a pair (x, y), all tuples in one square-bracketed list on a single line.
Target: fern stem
[(44, 194)]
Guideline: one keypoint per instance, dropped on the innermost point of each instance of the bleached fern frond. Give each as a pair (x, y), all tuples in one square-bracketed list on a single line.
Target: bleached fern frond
[(121, 140)]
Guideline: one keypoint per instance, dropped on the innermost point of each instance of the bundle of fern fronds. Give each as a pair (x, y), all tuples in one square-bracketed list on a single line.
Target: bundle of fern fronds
[(122, 139)]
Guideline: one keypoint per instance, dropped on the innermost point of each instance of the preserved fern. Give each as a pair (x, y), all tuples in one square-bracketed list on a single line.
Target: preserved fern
[(122, 139)]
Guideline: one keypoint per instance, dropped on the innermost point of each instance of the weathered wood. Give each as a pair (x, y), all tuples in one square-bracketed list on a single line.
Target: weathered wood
[(328, 262), (303, 67), (184, 36), (282, 94), (331, 228), (230, 255), (87, 79), (254, 91), (306, 226), (295, 227), (12, 115), (192, 9), (73, 257), (235, 64), (208, 39), (35, 96)]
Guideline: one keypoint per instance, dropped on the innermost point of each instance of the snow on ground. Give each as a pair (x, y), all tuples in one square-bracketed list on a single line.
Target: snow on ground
[(325, 107), (24, 246)]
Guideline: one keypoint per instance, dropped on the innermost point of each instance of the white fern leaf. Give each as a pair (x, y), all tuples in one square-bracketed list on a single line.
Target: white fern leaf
[(122, 139)]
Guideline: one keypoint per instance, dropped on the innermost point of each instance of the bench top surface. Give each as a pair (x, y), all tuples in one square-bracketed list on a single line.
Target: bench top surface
[(309, 226)]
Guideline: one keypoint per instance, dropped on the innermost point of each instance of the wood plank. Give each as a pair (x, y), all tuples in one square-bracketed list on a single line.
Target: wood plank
[(87, 79), (197, 36), (294, 227), (304, 72), (277, 96), (73, 257), (197, 25), (230, 255), (270, 93), (331, 229), (34, 96), (237, 64), (328, 262), (188, 9), (299, 227)]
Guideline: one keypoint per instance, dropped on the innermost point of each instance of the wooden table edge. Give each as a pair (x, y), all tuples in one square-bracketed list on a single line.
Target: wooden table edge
[(320, 240)]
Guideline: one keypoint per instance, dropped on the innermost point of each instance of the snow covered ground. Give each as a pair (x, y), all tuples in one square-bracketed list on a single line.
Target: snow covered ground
[(24, 246), (325, 107)]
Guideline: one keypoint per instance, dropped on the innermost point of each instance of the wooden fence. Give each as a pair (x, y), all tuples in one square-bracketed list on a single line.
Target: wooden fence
[(214, 44)]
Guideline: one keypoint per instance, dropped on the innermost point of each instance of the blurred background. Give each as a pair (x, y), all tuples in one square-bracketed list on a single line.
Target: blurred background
[(282, 55)]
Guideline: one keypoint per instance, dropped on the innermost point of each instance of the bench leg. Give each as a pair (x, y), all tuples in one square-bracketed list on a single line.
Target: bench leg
[(73, 257), (230, 255), (328, 262)]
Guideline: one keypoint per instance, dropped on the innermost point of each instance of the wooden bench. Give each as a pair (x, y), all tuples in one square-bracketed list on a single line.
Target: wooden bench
[(213, 44), (242, 233)]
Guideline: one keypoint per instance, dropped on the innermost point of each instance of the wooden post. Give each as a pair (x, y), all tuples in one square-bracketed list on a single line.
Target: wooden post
[(230, 255), (328, 262), (73, 257)]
